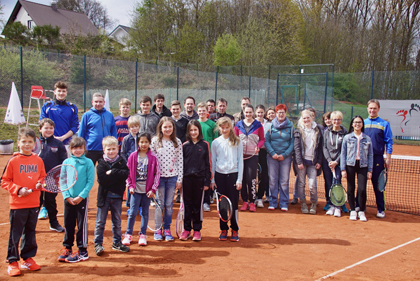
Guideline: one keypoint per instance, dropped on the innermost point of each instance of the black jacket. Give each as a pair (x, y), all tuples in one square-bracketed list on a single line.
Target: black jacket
[(299, 146), (53, 152), (197, 160), (181, 128), (165, 111), (115, 182)]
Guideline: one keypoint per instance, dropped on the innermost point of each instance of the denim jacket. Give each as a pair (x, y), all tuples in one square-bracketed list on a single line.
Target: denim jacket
[(349, 152)]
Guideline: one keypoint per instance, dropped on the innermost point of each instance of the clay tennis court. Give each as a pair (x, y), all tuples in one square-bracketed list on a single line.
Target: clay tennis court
[(272, 246)]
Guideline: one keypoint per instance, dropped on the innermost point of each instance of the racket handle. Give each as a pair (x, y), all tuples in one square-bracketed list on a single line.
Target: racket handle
[(29, 190)]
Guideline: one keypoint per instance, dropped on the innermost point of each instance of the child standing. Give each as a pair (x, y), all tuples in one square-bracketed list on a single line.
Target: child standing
[(227, 168), (21, 179), (142, 182), (197, 176), (53, 153), (76, 202), (112, 171), (168, 149), (122, 120)]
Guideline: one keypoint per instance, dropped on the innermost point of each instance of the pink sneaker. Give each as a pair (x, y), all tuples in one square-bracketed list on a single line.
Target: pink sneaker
[(197, 236), (127, 240), (252, 207), (244, 206), (142, 240), (185, 235)]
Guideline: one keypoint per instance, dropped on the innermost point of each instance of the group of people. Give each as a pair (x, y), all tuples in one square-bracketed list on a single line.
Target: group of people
[(160, 150)]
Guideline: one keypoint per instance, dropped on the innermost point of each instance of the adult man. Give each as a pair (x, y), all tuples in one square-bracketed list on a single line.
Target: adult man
[(63, 113), (221, 111), (180, 122), (380, 133), (159, 107), (96, 124), (240, 115), (210, 106), (189, 112), (148, 120)]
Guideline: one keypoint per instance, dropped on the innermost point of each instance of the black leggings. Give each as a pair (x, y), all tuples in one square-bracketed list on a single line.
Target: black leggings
[(262, 160), (249, 189), (226, 185), (361, 185)]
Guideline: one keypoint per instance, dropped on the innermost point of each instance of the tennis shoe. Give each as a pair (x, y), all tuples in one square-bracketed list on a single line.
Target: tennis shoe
[(330, 211), (260, 203), (57, 227), (206, 207), (362, 216), (197, 236), (120, 247), (304, 208), (380, 214), (271, 208), (235, 236), (252, 207), (168, 235), (64, 253), (99, 249), (185, 235), (127, 239), (13, 269), (78, 256), (244, 206), (312, 210), (43, 214), (337, 212), (353, 215), (142, 240), (344, 208), (294, 201), (223, 235), (284, 209), (30, 264), (327, 207), (158, 235)]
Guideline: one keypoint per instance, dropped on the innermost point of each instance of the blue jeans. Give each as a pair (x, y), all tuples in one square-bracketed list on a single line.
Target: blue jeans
[(310, 171), (115, 205), (278, 174), (137, 200), (165, 196)]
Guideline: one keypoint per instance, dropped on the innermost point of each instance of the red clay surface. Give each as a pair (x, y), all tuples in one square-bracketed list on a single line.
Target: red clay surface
[(273, 246)]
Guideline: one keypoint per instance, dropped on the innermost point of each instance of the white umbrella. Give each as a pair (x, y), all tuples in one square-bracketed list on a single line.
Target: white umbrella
[(107, 100), (14, 113)]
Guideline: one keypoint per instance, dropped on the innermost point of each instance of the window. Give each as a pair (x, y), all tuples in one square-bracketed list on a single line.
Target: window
[(30, 24)]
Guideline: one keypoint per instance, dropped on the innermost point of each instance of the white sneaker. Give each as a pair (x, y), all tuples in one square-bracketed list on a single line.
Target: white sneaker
[(362, 216), (337, 212), (380, 215), (142, 240), (284, 209), (260, 203), (353, 215), (330, 211), (127, 240), (206, 207)]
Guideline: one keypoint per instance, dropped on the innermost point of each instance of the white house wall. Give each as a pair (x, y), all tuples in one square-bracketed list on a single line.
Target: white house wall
[(23, 17)]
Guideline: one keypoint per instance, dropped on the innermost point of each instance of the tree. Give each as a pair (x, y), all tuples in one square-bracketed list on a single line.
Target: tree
[(92, 8), (46, 35), (227, 51), (17, 33)]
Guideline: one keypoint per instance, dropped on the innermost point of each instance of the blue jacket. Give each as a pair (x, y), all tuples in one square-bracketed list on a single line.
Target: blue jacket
[(380, 133), (85, 177), (128, 146), (95, 125), (53, 152), (279, 138), (349, 152), (65, 116)]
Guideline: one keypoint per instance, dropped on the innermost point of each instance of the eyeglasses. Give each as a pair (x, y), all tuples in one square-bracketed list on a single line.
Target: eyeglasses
[(281, 112), (357, 122)]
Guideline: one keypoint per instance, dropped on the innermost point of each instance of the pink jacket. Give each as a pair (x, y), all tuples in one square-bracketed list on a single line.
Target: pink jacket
[(153, 171)]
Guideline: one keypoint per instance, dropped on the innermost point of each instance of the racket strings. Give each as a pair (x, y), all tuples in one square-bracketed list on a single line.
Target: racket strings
[(225, 209), (337, 196)]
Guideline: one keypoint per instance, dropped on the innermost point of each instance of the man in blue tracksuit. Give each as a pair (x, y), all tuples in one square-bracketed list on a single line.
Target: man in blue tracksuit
[(63, 113), (96, 124), (380, 133)]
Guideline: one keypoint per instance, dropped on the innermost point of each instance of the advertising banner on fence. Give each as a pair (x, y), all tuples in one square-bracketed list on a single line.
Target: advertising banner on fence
[(403, 115)]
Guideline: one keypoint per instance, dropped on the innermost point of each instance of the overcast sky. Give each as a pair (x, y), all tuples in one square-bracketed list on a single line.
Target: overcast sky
[(120, 11)]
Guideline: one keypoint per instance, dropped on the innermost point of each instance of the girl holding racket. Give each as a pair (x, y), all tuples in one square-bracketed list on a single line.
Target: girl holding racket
[(308, 157), (356, 158), (197, 176), (333, 138), (251, 133), (279, 144), (168, 149), (142, 182), (227, 168)]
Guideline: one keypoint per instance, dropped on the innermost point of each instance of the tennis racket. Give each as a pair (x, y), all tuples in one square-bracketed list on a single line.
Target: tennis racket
[(58, 179), (382, 180), (38, 146), (338, 194), (224, 207), (180, 218), (155, 222)]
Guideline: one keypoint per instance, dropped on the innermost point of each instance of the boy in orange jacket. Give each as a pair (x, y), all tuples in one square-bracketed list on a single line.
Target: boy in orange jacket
[(21, 178)]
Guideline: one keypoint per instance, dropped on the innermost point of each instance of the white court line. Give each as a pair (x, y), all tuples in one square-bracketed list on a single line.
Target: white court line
[(368, 259)]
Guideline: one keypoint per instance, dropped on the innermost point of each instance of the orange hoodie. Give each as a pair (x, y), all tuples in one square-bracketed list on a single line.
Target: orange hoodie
[(23, 171)]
